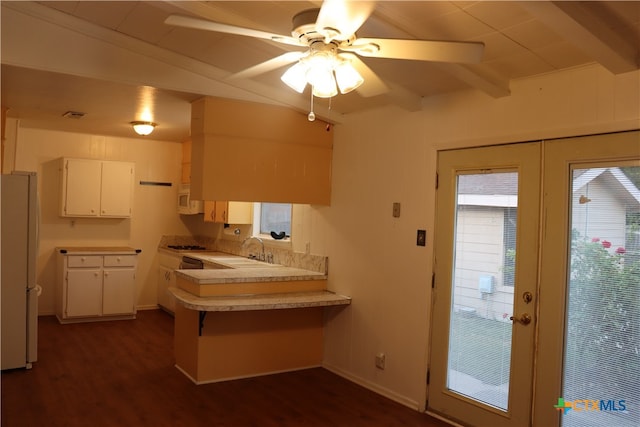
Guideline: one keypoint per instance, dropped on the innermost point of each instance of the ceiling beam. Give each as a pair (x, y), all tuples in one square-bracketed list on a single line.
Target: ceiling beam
[(584, 25), (476, 76), (131, 61)]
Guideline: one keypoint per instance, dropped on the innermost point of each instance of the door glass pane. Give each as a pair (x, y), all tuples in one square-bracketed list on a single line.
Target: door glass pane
[(602, 343), (483, 287)]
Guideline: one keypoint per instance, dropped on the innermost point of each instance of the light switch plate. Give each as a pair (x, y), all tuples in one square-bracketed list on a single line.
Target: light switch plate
[(396, 210), (421, 238)]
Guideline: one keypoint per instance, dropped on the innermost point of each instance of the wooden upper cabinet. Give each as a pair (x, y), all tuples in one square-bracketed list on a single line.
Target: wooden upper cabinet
[(245, 151), (228, 212), (186, 162)]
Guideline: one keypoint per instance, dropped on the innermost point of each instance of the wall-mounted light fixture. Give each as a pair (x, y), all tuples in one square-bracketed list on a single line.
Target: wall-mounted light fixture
[(143, 128)]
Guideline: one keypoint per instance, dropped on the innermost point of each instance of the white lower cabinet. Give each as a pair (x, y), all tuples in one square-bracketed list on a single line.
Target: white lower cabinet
[(84, 293), (95, 286), (167, 278)]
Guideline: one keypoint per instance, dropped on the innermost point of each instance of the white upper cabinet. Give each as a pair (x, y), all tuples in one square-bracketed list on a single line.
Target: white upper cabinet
[(117, 189), (81, 187), (96, 188)]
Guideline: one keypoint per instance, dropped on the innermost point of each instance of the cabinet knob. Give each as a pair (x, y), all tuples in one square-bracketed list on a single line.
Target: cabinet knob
[(118, 259), (83, 259), (106, 273), (95, 274)]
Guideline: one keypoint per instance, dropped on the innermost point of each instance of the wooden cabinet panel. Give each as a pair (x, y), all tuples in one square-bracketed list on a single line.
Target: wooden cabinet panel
[(186, 162), (186, 173), (228, 212), (245, 151)]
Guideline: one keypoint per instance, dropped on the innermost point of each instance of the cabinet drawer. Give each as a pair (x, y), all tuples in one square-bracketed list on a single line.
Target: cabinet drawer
[(84, 261), (119, 260)]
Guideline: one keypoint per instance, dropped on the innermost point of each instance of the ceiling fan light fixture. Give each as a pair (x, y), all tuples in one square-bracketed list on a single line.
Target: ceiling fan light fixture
[(143, 128), (347, 77), (296, 77), (322, 81)]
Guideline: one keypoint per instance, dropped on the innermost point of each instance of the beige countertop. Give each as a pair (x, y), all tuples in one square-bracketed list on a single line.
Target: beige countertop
[(259, 302), (75, 250), (220, 268), (248, 274)]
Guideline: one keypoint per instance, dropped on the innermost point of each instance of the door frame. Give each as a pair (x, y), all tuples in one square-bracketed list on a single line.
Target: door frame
[(560, 155), (510, 157)]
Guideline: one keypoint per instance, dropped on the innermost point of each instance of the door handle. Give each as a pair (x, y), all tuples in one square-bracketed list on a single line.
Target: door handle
[(525, 319)]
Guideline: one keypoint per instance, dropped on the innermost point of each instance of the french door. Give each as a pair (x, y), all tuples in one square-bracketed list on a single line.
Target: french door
[(517, 298)]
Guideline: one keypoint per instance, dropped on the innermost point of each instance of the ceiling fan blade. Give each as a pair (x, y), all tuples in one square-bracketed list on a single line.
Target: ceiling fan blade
[(343, 15), (372, 85), (203, 24), (265, 67), (420, 50)]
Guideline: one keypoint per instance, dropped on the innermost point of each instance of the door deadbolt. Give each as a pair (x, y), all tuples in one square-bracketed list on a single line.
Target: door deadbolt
[(527, 297), (525, 319)]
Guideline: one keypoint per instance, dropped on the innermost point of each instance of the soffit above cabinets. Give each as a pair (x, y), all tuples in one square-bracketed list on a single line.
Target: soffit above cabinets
[(122, 46)]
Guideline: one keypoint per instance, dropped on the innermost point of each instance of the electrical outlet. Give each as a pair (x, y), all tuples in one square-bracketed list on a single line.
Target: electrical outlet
[(380, 360)]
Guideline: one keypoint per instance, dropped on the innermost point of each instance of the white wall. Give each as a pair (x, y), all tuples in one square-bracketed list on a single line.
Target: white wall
[(380, 157), (387, 156), (154, 210)]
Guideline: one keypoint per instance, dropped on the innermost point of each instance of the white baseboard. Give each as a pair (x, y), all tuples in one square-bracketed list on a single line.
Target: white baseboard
[(403, 400), (148, 307), (240, 377)]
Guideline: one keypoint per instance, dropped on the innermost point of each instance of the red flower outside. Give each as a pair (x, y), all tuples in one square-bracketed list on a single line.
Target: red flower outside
[(606, 244), (620, 250), (595, 239)]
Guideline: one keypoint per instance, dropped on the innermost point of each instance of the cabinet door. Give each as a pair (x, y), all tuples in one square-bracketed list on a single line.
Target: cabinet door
[(166, 278), (119, 291), (239, 213), (209, 211), (221, 211), (117, 189), (186, 162), (81, 188), (84, 293), (228, 212)]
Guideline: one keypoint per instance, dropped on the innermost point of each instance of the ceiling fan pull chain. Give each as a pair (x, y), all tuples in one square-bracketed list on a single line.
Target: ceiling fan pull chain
[(312, 115)]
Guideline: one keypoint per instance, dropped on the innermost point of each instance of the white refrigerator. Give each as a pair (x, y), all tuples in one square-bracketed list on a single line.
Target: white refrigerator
[(18, 291)]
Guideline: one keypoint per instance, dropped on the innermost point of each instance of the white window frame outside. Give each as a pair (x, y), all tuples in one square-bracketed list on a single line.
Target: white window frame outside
[(266, 238)]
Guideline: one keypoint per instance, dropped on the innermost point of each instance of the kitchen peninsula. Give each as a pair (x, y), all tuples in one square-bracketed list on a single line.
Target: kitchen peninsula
[(240, 318)]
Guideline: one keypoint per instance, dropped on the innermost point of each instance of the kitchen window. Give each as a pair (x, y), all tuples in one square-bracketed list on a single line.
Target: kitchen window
[(272, 217)]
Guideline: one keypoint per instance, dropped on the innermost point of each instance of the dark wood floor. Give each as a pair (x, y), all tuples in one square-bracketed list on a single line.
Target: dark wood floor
[(122, 374)]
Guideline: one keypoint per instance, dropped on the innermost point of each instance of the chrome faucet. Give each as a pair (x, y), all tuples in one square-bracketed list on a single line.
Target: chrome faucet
[(260, 257)]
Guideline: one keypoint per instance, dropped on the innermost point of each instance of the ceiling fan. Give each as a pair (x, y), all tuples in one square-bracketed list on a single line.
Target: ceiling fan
[(331, 59)]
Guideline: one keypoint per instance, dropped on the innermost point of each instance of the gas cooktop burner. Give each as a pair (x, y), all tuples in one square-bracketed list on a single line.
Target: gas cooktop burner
[(187, 247)]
